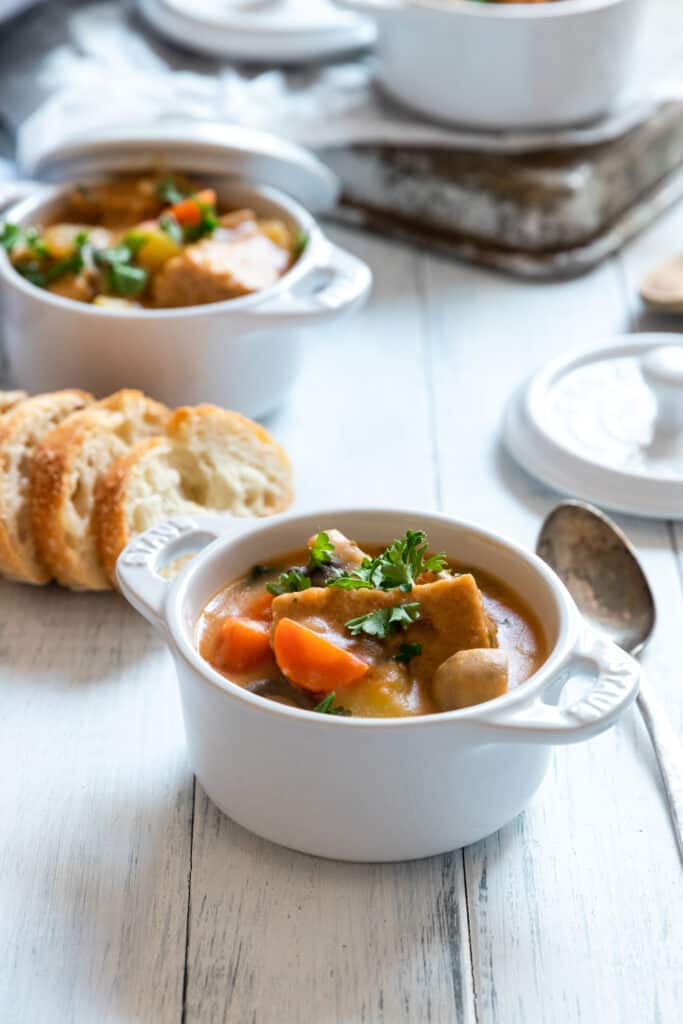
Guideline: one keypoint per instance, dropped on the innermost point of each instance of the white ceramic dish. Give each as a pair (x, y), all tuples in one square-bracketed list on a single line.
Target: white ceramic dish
[(505, 65), (370, 789), (243, 353)]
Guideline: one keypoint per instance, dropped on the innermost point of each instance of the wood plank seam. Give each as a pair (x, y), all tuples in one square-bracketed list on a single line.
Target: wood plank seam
[(183, 1005), (427, 347)]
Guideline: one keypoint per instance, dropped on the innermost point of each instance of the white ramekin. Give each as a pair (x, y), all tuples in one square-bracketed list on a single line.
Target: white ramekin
[(505, 65), (370, 789), (243, 353)]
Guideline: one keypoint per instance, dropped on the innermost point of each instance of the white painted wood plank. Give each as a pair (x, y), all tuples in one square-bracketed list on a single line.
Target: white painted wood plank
[(574, 906), (95, 804), (276, 936)]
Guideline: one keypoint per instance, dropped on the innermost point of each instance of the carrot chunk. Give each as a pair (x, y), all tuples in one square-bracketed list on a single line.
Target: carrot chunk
[(241, 644), (188, 212), (311, 661)]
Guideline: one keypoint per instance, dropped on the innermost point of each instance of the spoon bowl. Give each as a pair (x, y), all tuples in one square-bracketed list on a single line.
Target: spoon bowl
[(597, 564), (600, 569)]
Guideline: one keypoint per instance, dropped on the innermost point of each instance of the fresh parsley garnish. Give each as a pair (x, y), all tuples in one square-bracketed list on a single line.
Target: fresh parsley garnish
[(289, 583), (169, 193), (407, 652), (207, 225), (10, 236), (170, 226), (326, 706), (399, 565), (134, 240), (36, 243), (321, 551), (300, 243), (122, 277), (117, 254), (40, 274), (385, 621), (126, 280)]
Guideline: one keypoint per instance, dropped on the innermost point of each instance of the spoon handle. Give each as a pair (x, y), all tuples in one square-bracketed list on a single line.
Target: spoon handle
[(669, 751)]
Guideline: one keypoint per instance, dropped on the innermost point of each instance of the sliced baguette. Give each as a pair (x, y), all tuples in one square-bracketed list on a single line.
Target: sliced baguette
[(210, 460), (10, 399), (66, 469), (21, 431)]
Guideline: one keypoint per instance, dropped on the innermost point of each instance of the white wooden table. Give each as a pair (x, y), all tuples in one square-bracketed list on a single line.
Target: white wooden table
[(126, 897)]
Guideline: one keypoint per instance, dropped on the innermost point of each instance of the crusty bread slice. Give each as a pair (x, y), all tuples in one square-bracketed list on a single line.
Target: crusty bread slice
[(66, 469), (10, 399), (21, 431), (210, 460)]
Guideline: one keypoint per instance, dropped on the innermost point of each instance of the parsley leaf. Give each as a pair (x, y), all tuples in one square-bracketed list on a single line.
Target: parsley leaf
[(289, 583), (300, 244), (134, 240), (168, 192), (385, 621), (207, 225), (326, 706), (36, 243), (10, 235), (407, 652), (399, 565), (117, 254), (171, 227), (321, 551), (127, 280)]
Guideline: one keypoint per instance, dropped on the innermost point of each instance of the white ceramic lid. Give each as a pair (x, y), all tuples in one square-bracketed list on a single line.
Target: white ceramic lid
[(605, 424), (272, 31), (192, 146)]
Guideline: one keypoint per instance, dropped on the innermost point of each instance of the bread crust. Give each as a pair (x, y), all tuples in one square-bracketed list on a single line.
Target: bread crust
[(111, 526), (113, 530), (10, 399), (19, 561), (73, 561)]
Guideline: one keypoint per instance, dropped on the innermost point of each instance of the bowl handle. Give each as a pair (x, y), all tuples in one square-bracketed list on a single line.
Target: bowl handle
[(139, 564), (616, 681), (337, 282)]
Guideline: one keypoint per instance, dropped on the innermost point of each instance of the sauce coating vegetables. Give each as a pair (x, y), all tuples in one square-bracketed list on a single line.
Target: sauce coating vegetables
[(151, 242), (374, 633)]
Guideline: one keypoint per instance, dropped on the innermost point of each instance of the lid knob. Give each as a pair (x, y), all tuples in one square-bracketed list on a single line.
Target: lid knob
[(662, 371)]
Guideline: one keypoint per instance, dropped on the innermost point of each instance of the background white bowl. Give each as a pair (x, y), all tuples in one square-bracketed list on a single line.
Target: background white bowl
[(243, 353), (505, 65)]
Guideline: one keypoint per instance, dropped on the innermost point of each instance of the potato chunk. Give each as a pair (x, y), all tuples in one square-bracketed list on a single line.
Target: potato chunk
[(470, 677)]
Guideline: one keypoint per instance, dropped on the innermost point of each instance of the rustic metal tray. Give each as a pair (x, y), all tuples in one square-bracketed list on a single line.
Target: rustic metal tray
[(543, 214)]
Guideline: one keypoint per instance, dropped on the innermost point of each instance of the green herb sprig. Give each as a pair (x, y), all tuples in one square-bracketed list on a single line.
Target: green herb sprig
[(399, 565), (407, 652), (326, 706), (385, 621), (289, 583)]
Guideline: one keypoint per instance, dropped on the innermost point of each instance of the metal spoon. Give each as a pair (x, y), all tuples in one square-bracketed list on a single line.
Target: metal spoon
[(599, 567)]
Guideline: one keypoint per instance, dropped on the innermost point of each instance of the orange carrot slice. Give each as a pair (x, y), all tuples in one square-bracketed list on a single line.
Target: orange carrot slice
[(311, 661), (241, 644)]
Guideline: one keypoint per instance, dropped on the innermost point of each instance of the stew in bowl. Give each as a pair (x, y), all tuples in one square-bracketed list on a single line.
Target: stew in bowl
[(152, 241), (369, 631)]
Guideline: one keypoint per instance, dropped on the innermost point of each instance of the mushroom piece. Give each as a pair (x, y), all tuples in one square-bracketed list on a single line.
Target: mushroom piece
[(470, 677), (662, 288)]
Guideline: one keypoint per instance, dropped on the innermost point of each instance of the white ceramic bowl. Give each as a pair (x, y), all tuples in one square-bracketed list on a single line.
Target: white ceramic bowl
[(243, 353), (505, 65), (370, 789)]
